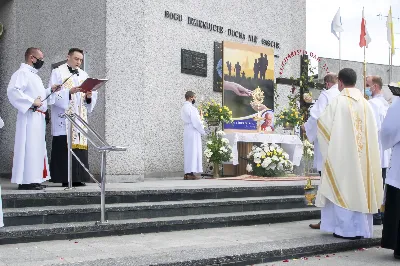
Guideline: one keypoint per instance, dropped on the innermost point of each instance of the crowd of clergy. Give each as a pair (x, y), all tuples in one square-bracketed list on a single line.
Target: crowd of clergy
[(356, 147), (356, 144)]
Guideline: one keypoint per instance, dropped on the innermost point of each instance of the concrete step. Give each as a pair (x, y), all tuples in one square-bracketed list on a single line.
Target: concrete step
[(22, 199), (40, 232), (123, 211), (242, 245)]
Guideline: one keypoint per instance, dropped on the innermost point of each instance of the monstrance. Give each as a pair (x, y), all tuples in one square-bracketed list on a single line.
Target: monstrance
[(258, 99)]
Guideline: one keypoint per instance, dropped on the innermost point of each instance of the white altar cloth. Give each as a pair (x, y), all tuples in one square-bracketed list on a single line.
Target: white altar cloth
[(291, 144)]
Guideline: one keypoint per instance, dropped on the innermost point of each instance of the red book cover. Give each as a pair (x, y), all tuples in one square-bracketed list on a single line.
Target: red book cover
[(91, 84)]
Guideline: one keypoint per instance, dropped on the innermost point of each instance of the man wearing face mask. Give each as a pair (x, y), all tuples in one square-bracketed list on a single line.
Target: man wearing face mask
[(69, 100), (310, 127), (192, 147), (26, 92), (380, 107)]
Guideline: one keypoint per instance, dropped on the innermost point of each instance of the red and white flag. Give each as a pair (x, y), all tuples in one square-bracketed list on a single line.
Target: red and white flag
[(364, 36)]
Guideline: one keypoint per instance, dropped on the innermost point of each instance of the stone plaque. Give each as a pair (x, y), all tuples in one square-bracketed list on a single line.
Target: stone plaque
[(193, 63)]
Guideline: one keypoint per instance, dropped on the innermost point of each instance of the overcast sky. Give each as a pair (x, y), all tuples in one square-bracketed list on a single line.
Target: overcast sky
[(321, 41)]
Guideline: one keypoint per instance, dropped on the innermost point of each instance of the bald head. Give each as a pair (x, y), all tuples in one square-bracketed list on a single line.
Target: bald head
[(330, 79), (32, 51)]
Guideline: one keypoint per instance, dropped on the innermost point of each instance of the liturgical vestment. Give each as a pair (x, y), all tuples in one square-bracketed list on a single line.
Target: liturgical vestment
[(192, 147), (351, 183), (324, 99), (30, 163), (62, 102)]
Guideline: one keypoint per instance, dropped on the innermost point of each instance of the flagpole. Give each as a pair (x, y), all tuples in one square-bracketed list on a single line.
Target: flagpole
[(365, 72), (391, 67), (340, 51)]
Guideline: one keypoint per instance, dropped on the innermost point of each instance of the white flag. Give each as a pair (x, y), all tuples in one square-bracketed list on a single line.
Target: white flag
[(336, 25)]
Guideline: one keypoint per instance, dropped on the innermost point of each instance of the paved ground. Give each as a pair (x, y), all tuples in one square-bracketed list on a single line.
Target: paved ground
[(159, 184), (360, 257), (145, 249)]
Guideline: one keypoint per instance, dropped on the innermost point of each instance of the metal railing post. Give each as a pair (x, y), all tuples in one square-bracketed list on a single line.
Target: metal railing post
[(103, 187), (70, 156)]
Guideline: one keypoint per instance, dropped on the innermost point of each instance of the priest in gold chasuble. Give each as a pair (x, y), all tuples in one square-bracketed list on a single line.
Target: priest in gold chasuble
[(69, 100), (351, 184)]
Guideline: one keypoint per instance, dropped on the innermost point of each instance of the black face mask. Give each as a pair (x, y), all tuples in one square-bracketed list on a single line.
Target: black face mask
[(193, 101), (38, 64)]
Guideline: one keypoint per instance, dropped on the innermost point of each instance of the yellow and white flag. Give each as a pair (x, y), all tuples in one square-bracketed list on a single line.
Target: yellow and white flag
[(390, 34)]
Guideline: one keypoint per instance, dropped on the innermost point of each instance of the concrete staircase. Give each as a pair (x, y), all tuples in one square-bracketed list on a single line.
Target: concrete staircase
[(55, 215)]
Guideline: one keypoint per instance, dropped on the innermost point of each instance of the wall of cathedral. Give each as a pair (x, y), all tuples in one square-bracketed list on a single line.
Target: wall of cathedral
[(146, 87), (54, 26)]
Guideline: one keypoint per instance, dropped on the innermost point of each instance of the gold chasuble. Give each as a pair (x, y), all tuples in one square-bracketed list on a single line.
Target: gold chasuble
[(348, 138)]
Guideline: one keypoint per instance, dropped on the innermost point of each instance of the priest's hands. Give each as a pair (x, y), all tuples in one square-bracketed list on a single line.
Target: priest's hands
[(89, 94), (74, 90), (55, 88), (37, 102)]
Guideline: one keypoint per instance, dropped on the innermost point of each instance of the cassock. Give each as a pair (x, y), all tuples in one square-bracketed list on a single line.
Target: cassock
[(351, 182), (324, 99), (192, 147), (30, 164), (62, 102), (390, 134)]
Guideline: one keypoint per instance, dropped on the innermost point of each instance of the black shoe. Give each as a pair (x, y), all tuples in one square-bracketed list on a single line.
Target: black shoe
[(29, 187), (78, 184), (349, 238), (377, 221), (39, 185)]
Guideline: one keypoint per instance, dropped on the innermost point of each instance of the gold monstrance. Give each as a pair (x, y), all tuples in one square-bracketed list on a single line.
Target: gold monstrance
[(258, 99)]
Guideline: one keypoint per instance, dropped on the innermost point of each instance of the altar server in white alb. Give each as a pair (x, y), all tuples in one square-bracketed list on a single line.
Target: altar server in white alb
[(351, 183), (380, 107), (69, 100), (317, 109), (193, 156), (26, 92)]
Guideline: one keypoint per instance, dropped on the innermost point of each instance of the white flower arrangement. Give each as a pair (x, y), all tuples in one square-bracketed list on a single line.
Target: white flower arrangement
[(308, 149), (268, 160), (218, 149)]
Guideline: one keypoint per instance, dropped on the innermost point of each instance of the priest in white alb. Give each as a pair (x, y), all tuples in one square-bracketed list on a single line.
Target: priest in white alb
[(390, 134), (310, 127), (192, 146), (27, 94), (380, 107), (351, 184), (69, 100)]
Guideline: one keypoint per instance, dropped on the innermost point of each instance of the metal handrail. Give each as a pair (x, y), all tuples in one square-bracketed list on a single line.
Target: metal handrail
[(103, 148)]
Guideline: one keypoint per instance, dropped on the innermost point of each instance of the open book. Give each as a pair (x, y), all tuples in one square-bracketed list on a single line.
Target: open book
[(91, 84)]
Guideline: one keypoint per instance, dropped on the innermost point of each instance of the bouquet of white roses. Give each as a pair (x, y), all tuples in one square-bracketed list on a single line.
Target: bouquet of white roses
[(268, 160), (218, 149)]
